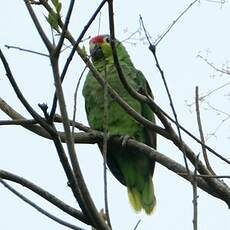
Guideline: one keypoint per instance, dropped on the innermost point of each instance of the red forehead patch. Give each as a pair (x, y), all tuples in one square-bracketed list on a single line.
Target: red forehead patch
[(97, 39)]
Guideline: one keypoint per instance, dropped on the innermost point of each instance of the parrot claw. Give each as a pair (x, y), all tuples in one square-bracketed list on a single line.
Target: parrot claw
[(124, 141)]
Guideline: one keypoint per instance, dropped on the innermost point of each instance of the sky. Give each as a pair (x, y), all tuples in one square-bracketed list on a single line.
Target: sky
[(203, 30)]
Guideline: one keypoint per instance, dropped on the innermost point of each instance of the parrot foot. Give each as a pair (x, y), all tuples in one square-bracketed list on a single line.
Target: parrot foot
[(124, 141)]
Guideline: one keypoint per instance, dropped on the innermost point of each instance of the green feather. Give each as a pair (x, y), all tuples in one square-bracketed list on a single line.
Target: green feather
[(131, 169)]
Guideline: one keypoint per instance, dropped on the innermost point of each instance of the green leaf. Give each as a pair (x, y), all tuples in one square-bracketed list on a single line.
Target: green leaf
[(55, 2), (84, 52), (53, 19), (57, 5), (58, 8), (54, 16)]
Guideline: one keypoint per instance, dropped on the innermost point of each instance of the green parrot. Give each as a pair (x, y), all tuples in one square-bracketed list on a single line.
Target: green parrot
[(133, 170)]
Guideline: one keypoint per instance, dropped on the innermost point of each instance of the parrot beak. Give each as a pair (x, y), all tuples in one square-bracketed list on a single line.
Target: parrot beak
[(96, 51)]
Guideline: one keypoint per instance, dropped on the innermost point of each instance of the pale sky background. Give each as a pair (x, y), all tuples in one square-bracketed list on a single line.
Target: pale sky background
[(204, 29)]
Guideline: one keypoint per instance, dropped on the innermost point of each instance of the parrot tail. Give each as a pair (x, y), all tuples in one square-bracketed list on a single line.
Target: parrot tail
[(134, 198), (143, 199)]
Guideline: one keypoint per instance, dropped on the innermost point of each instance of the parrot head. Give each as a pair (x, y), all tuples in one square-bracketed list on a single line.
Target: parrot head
[(101, 50), (100, 47)]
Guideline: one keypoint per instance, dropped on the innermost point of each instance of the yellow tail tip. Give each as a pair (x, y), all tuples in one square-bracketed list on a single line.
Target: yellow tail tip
[(138, 203), (134, 199)]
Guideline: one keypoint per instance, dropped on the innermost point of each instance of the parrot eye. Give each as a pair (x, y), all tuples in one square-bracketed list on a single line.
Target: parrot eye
[(107, 39)]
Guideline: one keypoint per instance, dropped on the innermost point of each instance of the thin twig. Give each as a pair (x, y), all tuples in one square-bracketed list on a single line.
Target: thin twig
[(72, 179), (223, 71), (44, 194), (121, 75), (21, 97), (41, 32), (137, 224), (70, 57), (75, 45), (195, 204), (174, 22), (219, 111), (99, 23), (41, 210), (75, 99), (64, 28), (85, 198), (80, 126), (159, 112), (220, 124), (153, 49), (213, 91), (26, 50), (105, 146), (205, 155)]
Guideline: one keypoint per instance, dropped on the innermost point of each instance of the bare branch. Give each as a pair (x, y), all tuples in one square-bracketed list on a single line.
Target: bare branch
[(75, 100), (153, 50), (19, 94), (78, 138), (120, 101), (26, 50), (105, 146), (162, 115), (177, 140), (223, 191), (214, 90), (42, 34), (137, 224), (88, 206), (174, 22), (44, 194), (64, 29), (214, 176), (223, 71), (146, 99), (112, 92), (205, 155), (97, 137), (75, 45), (41, 210), (50, 129), (18, 122), (195, 197)]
